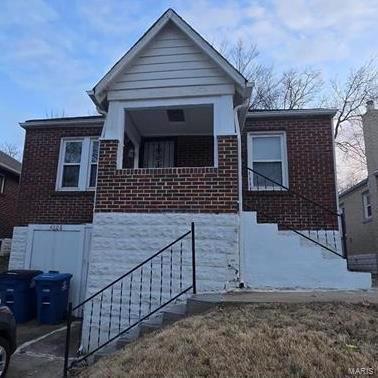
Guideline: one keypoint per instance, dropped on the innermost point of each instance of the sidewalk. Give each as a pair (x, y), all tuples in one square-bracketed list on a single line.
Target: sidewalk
[(246, 296)]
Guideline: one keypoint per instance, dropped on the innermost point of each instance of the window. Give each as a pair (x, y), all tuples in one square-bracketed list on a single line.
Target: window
[(2, 183), (158, 154), (77, 168), (367, 209), (267, 156), (93, 162)]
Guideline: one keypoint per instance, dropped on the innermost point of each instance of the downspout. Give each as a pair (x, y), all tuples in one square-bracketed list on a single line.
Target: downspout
[(104, 113), (237, 108)]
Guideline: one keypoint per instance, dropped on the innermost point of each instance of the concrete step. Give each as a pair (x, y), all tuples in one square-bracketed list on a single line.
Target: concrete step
[(198, 304), (179, 307), (146, 328), (172, 317), (105, 351), (155, 319), (128, 337), (168, 315)]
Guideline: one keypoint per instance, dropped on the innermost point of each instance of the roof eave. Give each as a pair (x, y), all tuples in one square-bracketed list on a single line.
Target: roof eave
[(293, 113), (62, 123), (10, 169), (355, 187)]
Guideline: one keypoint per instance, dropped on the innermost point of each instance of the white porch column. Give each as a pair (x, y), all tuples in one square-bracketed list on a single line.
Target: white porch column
[(223, 120), (114, 127)]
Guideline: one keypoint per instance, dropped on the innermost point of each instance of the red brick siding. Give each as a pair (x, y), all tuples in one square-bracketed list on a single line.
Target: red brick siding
[(8, 204), (190, 151), (38, 200), (202, 189), (195, 151), (311, 173)]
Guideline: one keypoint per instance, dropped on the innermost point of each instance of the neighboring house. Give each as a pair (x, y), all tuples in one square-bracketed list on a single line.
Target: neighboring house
[(176, 144), (10, 171), (360, 203)]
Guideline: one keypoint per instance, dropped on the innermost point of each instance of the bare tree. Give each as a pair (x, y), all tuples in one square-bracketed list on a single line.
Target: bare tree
[(11, 149), (292, 89), (299, 88), (266, 90), (244, 58), (241, 55), (350, 97), (350, 141)]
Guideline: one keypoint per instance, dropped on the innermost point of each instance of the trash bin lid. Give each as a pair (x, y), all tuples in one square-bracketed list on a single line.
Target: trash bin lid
[(20, 274), (53, 276)]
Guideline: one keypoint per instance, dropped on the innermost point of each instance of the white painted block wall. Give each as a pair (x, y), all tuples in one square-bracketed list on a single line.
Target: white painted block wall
[(18, 248), (284, 260), (120, 241)]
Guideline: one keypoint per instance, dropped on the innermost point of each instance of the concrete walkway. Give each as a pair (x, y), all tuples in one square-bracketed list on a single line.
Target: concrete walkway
[(250, 296), (41, 350)]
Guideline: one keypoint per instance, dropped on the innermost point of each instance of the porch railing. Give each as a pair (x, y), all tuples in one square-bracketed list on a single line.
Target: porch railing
[(134, 297), (312, 214)]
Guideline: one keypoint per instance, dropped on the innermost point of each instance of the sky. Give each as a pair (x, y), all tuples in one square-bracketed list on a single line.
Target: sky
[(52, 51)]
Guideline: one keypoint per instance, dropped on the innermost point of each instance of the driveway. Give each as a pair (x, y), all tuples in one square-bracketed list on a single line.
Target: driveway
[(40, 350)]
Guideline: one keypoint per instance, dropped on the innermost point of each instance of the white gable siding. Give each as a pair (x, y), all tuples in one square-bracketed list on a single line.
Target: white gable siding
[(171, 65)]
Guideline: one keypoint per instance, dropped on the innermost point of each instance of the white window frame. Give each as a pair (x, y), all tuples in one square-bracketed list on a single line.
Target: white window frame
[(91, 140), (84, 172), (285, 174), (366, 205), (2, 183)]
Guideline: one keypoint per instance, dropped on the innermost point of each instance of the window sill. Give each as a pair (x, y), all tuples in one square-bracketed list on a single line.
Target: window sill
[(73, 193), (267, 189), (171, 170), (367, 220)]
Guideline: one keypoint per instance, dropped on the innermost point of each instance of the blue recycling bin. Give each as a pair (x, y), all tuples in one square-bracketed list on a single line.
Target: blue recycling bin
[(17, 291), (52, 296)]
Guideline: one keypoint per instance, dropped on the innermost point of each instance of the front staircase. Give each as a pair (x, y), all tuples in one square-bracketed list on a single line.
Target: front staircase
[(150, 295), (312, 220)]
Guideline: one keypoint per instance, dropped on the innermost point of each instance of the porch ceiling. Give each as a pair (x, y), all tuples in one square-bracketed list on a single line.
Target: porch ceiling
[(155, 122)]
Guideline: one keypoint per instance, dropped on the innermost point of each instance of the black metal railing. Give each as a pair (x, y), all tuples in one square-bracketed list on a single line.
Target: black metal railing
[(310, 219), (134, 297)]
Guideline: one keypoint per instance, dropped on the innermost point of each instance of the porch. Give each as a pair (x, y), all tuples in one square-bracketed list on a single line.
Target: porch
[(169, 137)]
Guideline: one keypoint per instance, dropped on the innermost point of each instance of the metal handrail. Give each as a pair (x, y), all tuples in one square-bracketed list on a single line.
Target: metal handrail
[(100, 294), (308, 200), (131, 271), (294, 192)]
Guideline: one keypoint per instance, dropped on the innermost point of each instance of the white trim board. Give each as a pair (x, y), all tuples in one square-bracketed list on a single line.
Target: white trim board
[(284, 160)]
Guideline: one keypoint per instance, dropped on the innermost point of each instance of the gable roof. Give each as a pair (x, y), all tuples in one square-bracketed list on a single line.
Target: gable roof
[(9, 164), (98, 93)]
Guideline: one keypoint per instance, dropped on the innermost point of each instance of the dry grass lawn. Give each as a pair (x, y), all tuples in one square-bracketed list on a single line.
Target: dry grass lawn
[(272, 340)]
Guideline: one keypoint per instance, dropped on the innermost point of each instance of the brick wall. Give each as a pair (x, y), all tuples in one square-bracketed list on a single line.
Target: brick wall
[(195, 151), (8, 204), (311, 173), (190, 151), (199, 189), (38, 200)]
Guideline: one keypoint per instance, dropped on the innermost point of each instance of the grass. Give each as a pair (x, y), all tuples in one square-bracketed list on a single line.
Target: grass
[(272, 340)]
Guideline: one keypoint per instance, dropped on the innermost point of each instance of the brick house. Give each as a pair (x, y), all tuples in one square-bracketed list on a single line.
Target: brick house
[(175, 143), (360, 203), (10, 170)]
